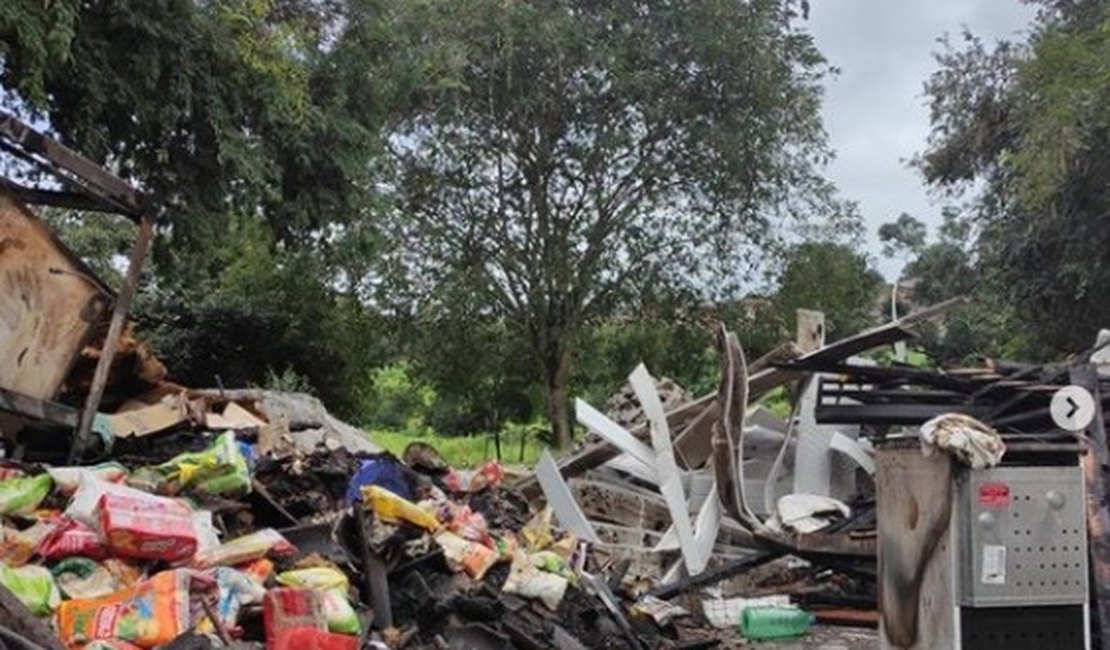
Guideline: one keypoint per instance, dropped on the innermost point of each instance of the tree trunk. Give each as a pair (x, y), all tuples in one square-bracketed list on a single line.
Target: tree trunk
[(556, 374)]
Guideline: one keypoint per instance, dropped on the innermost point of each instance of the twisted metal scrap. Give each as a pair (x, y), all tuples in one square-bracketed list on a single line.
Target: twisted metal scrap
[(732, 402)]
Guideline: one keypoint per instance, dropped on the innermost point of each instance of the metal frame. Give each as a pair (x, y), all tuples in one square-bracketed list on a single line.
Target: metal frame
[(89, 187)]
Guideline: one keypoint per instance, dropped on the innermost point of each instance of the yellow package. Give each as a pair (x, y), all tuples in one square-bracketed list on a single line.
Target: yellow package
[(538, 533), (392, 508)]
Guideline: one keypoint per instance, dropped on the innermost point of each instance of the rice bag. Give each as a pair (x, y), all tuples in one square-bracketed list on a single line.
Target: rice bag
[(83, 505), (23, 495), (149, 527), (149, 614), (70, 537), (333, 585), (33, 586), (250, 547)]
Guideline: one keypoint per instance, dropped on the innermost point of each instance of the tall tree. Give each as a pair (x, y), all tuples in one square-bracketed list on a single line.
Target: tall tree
[(832, 278), (1025, 128), (575, 156)]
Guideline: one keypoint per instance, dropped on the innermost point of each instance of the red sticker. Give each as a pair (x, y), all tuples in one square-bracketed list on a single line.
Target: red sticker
[(994, 495)]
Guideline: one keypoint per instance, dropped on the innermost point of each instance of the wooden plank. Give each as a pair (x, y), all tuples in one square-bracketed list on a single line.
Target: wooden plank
[(38, 409), (914, 504), (1094, 466), (50, 302), (607, 502), (810, 334), (111, 341)]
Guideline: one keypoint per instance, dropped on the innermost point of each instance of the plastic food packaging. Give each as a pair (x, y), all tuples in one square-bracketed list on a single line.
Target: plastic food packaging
[(150, 527), (462, 554), (285, 608), (527, 581), (110, 644), (237, 590), (552, 562), (491, 474), (391, 508), (79, 577), (266, 542), (68, 479), (19, 546), (23, 495), (258, 570), (759, 623), (538, 533), (148, 614), (33, 586), (219, 469), (83, 505), (333, 585), (469, 524), (70, 537), (307, 638)]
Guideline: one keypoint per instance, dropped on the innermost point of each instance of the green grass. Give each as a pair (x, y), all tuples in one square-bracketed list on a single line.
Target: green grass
[(464, 451)]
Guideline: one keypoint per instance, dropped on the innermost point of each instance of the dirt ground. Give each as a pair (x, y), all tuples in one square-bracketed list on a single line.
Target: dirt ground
[(820, 637)]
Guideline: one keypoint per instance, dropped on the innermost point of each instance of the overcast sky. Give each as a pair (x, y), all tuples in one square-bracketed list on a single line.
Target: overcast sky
[(875, 109)]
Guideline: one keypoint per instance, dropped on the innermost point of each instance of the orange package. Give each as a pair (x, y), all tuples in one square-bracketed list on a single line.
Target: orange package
[(149, 614)]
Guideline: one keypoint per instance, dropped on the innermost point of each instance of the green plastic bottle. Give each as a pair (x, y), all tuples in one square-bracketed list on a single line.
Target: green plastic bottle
[(760, 623)]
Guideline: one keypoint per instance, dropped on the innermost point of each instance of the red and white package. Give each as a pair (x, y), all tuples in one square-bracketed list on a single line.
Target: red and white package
[(147, 527)]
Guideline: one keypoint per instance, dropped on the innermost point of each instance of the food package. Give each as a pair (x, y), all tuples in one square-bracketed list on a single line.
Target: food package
[(333, 584), (552, 562), (19, 546), (80, 577), (266, 542), (149, 614), (527, 581), (469, 524), (539, 533), (285, 608), (33, 586), (150, 527), (237, 590), (68, 479), (491, 474), (307, 638), (461, 554), (70, 537), (23, 495), (110, 644), (219, 469), (391, 508), (258, 570), (83, 505)]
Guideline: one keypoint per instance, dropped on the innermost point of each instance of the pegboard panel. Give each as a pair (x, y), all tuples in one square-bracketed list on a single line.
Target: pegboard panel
[(1023, 537)]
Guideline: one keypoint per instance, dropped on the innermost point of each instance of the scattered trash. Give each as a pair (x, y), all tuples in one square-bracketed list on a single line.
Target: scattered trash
[(764, 623)]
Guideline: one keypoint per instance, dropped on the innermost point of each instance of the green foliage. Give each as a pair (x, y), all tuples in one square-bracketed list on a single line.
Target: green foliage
[(392, 398), (34, 35), (102, 241), (1027, 126), (832, 278), (561, 169), (470, 450)]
